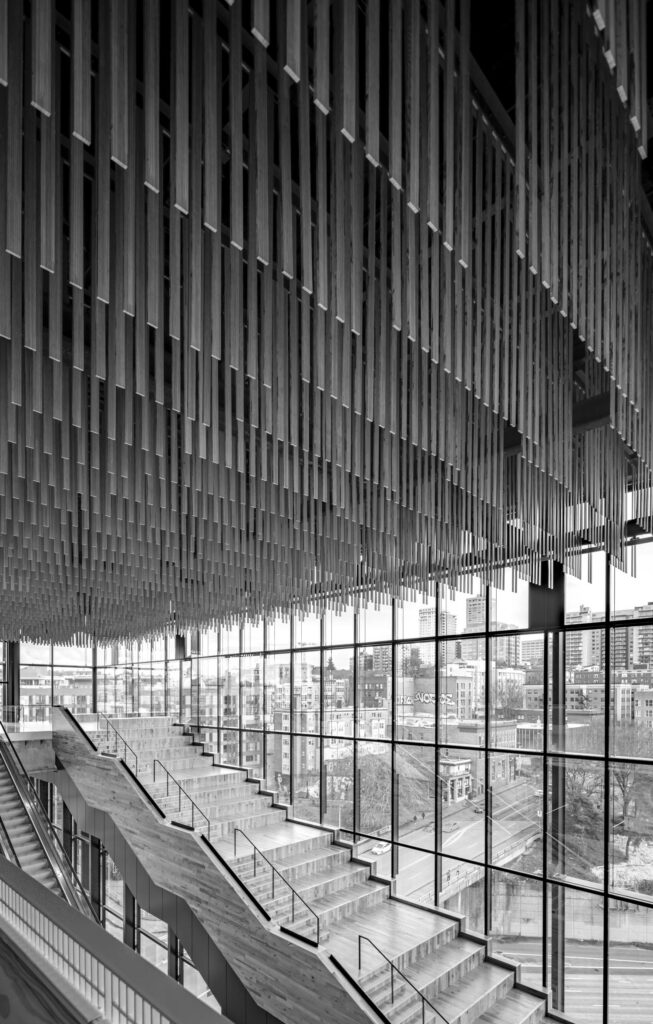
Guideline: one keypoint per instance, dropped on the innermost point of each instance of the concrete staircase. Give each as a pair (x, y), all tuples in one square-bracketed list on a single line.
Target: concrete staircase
[(431, 954), (24, 839)]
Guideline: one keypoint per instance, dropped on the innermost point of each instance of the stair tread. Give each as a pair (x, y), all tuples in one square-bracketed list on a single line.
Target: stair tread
[(432, 966), (514, 1008), (458, 998)]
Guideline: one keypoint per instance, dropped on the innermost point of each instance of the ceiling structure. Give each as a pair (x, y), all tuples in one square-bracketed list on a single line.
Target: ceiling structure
[(292, 312)]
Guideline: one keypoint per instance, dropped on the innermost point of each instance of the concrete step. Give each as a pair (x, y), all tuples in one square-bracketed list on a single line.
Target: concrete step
[(338, 905), (516, 1008), (475, 993), (304, 864)]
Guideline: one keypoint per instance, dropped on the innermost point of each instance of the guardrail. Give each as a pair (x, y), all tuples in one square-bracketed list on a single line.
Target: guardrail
[(434, 1015), (276, 874), (26, 717), (194, 808), (116, 739)]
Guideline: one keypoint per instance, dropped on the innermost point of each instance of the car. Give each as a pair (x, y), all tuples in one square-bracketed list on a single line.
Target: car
[(478, 810), (380, 848)]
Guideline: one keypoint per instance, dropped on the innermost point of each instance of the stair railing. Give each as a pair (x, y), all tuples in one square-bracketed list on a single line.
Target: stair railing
[(395, 970), (55, 854), (194, 808), (118, 738), (276, 874)]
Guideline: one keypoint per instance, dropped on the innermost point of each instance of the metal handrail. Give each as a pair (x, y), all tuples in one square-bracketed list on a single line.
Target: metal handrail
[(275, 871), (120, 737), (51, 844), (193, 805), (6, 844), (425, 1002)]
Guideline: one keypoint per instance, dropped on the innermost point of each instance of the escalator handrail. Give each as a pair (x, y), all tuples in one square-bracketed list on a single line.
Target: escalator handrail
[(52, 846), (6, 845)]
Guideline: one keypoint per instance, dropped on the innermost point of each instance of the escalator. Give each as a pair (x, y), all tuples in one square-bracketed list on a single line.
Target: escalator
[(26, 835)]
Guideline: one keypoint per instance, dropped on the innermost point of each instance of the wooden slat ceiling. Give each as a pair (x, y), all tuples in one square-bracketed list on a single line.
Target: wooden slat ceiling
[(274, 296)]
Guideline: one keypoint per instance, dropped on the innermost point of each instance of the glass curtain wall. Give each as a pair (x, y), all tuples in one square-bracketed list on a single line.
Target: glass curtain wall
[(496, 770)]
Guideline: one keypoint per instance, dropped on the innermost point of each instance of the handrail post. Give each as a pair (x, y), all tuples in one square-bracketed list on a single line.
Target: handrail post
[(273, 874), (293, 905), (360, 943), (392, 982)]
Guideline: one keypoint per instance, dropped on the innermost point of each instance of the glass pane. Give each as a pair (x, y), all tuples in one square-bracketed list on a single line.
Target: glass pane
[(158, 648), (209, 641), (277, 692), (307, 630), (631, 590), (631, 691), (251, 683), (35, 685), (375, 782), (277, 765), (306, 777), (513, 722), (172, 689), (207, 669), (35, 654), (339, 629), (253, 636), (105, 691), (462, 700), (375, 623), (113, 888), (154, 952), (416, 617), (416, 877), (252, 752), (73, 688), (228, 692), (278, 634), (230, 639), (462, 889), (516, 800), (509, 606), (631, 828), (415, 778), (517, 922), (339, 796), (229, 746), (577, 692), (145, 689), (306, 692), (462, 785), (630, 955), (585, 597), (415, 696), (374, 691), (338, 694), (575, 953), (575, 819), (186, 711), (462, 608)]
